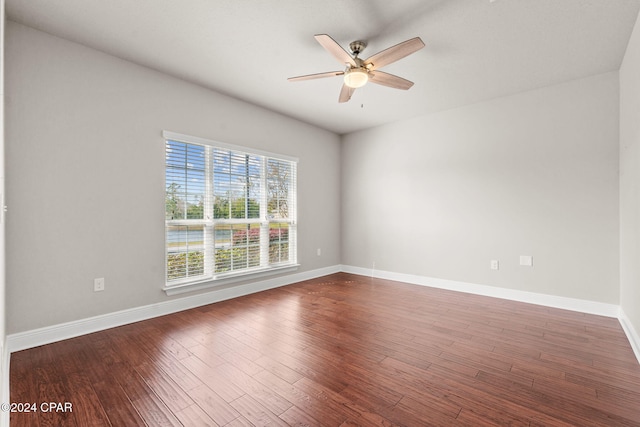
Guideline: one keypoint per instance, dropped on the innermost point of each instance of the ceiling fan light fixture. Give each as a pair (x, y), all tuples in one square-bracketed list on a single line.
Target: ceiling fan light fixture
[(356, 78)]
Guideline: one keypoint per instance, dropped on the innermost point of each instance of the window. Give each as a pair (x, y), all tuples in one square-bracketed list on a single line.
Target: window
[(229, 211)]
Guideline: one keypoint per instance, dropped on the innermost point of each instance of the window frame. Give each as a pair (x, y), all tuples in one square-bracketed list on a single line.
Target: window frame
[(210, 276)]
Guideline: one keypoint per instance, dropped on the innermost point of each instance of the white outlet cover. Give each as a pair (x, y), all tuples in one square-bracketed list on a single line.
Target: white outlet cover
[(526, 260)]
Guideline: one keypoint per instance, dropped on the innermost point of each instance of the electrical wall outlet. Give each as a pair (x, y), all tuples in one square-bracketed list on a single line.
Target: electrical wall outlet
[(319, 252), (526, 260), (98, 284), (495, 265)]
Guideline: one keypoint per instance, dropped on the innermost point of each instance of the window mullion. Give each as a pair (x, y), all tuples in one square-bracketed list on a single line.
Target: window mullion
[(293, 213), (264, 221), (209, 239)]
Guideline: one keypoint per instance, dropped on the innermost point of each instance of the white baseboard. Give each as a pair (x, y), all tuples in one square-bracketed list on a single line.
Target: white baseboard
[(573, 304), (49, 334), (34, 338), (630, 331)]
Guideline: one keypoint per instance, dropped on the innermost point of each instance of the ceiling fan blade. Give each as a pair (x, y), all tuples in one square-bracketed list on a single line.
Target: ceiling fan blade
[(332, 46), (395, 53), (345, 93), (390, 80), (316, 76)]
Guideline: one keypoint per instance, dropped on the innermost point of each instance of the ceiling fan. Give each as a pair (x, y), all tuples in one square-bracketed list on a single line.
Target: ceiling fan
[(358, 72)]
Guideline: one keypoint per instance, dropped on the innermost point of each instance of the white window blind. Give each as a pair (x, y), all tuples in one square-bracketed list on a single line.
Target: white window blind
[(228, 211)]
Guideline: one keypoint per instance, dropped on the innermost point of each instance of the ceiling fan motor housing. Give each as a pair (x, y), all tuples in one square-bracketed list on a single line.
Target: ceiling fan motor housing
[(357, 46)]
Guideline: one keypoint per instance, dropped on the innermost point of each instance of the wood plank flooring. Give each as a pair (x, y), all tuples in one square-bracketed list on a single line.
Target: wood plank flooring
[(341, 350)]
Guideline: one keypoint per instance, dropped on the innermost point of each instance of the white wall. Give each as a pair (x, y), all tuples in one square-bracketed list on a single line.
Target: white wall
[(439, 195), (535, 174), (85, 176), (630, 181)]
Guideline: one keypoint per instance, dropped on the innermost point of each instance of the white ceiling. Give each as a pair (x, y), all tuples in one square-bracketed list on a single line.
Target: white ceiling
[(475, 49)]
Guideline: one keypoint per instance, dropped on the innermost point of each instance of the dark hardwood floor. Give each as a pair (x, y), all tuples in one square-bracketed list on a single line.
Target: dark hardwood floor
[(342, 350)]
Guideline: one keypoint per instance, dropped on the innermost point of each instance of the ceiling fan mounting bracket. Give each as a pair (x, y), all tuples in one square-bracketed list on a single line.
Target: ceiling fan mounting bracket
[(357, 46)]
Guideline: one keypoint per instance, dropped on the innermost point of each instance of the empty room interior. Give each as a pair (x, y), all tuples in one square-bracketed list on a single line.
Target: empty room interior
[(331, 213)]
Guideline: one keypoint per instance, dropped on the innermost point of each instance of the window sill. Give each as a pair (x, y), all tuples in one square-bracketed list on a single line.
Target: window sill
[(226, 280)]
